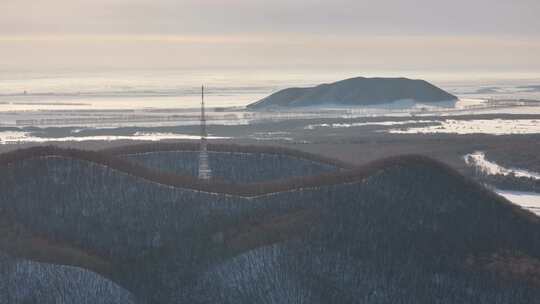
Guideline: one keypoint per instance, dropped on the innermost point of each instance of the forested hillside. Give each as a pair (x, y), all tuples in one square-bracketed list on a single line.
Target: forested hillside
[(400, 230), (234, 167)]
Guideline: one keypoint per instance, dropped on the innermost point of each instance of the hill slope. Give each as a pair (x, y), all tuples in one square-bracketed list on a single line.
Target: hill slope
[(400, 230), (356, 92)]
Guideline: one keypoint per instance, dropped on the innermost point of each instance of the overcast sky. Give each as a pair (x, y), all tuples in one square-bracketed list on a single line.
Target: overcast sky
[(414, 34)]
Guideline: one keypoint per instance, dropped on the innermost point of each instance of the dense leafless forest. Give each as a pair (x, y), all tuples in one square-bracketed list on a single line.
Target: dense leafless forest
[(128, 227)]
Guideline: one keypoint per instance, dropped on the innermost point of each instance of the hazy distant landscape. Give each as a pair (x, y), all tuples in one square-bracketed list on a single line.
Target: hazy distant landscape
[(250, 151), (38, 111)]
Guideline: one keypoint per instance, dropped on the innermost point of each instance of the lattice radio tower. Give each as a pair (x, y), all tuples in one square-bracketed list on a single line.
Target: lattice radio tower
[(205, 173)]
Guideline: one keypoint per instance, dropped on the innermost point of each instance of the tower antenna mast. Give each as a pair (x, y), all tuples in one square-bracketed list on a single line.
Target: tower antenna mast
[(205, 173)]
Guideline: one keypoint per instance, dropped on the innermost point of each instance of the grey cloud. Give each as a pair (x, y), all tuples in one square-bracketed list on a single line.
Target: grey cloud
[(256, 16)]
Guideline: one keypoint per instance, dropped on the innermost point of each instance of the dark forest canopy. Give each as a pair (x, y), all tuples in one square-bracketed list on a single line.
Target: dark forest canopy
[(109, 158), (347, 174), (404, 229), (231, 148)]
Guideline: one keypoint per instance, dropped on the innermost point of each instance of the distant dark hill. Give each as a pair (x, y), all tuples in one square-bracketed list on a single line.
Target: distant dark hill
[(400, 230), (356, 92)]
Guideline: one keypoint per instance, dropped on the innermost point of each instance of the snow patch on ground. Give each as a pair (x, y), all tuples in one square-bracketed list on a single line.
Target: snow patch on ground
[(362, 124), (478, 126), (15, 137), (527, 200), (28, 281), (479, 161)]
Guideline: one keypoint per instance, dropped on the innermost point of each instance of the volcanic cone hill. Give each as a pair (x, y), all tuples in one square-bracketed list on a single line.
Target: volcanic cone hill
[(405, 229), (358, 91)]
